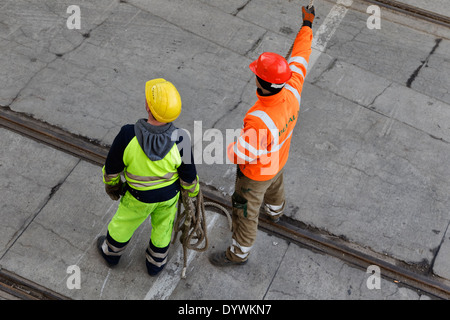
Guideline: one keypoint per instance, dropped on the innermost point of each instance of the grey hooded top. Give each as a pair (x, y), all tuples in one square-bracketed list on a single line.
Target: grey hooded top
[(154, 140)]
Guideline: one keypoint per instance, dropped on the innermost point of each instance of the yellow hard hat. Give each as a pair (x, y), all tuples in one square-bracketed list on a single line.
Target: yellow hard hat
[(163, 100)]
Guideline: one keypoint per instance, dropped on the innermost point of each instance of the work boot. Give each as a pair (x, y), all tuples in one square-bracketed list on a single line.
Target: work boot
[(219, 259)]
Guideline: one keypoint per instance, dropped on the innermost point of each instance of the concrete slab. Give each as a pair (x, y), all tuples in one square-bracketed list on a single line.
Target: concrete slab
[(248, 282), (33, 34), (205, 21), (339, 78), (31, 173), (231, 7), (432, 78), (441, 266), (205, 281), (441, 7), (366, 176), (420, 111), (111, 67), (64, 233), (361, 166), (393, 52), (283, 18), (304, 275)]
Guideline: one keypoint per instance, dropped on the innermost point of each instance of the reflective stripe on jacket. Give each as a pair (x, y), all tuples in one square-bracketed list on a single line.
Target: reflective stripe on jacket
[(143, 174), (149, 181), (263, 146)]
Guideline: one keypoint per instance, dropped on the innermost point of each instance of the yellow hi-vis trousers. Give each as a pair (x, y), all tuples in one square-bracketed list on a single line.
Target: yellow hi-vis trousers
[(131, 213)]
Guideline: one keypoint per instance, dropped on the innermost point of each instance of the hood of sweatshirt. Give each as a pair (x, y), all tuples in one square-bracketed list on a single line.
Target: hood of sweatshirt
[(154, 140)]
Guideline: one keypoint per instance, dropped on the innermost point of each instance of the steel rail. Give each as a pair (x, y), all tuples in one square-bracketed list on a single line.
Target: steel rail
[(397, 271), (93, 152), (42, 132), (413, 11), (286, 228), (17, 287)]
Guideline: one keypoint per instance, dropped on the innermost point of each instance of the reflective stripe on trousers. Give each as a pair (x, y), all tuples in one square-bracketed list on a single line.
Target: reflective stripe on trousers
[(112, 250), (156, 258), (245, 250), (274, 210)]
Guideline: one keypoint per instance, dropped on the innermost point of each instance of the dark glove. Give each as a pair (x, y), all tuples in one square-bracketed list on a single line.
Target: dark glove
[(115, 191), (308, 15)]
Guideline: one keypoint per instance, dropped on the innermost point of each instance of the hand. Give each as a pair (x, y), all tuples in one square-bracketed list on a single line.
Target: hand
[(308, 15), (114, 191)]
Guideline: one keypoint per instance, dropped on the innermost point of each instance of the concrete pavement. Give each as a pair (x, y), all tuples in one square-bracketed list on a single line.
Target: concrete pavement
[(368, 160), (46, 237)]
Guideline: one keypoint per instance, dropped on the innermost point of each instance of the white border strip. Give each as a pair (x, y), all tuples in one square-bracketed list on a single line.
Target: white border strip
[(327, 29)]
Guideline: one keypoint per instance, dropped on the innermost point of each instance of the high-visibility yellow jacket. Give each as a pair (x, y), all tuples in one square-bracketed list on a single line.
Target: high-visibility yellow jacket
[(263, 146), (151, 162)]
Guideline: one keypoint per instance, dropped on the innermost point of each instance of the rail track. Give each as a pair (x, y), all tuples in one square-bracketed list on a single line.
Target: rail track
[(13, 286), (410, 276), (413, 11)]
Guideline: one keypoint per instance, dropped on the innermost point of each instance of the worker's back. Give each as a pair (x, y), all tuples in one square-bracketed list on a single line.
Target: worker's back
[(263, 148)]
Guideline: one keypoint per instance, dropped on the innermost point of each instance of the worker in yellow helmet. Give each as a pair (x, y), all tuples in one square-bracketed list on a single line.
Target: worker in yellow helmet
[(148, 155)]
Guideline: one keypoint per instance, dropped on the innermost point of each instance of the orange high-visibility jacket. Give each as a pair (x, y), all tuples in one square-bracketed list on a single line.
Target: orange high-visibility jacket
[(263, 146)]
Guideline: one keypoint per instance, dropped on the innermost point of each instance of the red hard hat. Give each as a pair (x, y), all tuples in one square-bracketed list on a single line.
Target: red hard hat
[(271, 67)]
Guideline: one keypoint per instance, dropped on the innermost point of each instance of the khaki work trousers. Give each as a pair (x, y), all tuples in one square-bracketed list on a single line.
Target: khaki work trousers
[(247, 200)]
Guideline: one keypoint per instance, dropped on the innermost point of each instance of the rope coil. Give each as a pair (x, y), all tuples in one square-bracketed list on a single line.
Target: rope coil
[(192, 224)]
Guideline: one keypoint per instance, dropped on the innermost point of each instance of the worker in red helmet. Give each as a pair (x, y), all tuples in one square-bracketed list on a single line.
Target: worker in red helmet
[(262, 149)]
